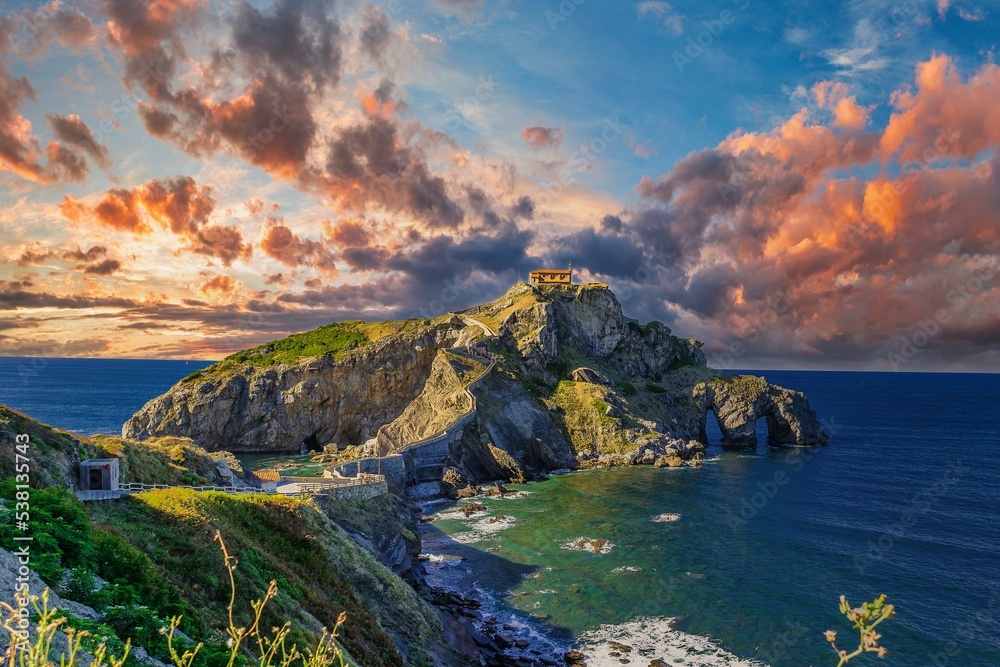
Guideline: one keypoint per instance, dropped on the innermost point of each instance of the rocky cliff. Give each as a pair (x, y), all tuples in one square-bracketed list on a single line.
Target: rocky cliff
[(576, 383), (262, 401)]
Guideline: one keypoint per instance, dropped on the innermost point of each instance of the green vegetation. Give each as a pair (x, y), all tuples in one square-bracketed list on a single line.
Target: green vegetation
[(865, 619), (315, 564), (334, 340), (54, 453), (245, 643), (468, 369), (655, 389), (641, 329), (156, 555), (166, 460), (627, 388), (583, 420), (60, 528), (686, 356)]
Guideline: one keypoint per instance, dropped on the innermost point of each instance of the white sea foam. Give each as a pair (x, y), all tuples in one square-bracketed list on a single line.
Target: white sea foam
[(516, 495), (655, 638), (587, 544), (484, 529), (626, 568), (458, 514), (667, 518)]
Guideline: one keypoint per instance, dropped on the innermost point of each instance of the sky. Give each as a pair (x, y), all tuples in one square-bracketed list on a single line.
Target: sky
[(797, 184)]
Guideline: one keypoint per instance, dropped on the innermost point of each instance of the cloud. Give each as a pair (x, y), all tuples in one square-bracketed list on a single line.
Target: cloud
[(863, 54), (49, 347), (72, 130), (220, 288), (540, 137), (35, 254), (350, 233), (177, 205), (13, 296), (860, 234), (663, 11), (464, 9), (20, 150), (103, 268), (31, 32), (259, 95), (368, 165), (283, 245)]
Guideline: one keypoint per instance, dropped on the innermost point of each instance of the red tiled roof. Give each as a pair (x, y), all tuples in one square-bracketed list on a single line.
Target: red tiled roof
[(268, 475)]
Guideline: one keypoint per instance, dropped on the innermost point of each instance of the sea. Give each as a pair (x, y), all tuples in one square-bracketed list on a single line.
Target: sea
[(740, 562)]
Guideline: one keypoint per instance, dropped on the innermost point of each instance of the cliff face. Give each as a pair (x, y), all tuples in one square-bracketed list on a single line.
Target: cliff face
[(315, 400), (576, 383)]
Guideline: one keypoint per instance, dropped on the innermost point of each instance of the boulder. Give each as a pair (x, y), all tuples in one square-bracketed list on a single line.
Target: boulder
[(584, 374)]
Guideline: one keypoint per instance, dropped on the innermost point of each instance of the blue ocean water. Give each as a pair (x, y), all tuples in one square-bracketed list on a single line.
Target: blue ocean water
[(86, 396), (904, 501)]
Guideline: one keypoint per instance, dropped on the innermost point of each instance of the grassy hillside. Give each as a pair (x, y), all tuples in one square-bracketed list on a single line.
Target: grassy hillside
[(142, 559), (155, 551), (54, 454), (335, 340)]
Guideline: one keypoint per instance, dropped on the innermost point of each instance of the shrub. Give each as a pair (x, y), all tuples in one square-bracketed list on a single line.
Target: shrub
[(655, 388), (59, 526), (627, 388), (245, 644)]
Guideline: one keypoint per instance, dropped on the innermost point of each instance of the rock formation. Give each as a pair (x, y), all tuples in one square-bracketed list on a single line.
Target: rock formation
[(576, 383), (738, 402)]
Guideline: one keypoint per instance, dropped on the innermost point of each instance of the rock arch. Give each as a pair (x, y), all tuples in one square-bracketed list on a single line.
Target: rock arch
[(737, 402)]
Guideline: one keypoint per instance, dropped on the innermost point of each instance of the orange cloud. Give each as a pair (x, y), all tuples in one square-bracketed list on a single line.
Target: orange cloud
[(856, 257), (945, 116), (178, 205), (539, 137)]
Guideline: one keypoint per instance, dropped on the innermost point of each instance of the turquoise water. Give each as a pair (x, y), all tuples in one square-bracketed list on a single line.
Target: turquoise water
[(903, 502), (299, 465)]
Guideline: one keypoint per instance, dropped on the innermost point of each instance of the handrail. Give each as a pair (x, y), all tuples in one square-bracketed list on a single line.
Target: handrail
[(313, 483), (443, 432)]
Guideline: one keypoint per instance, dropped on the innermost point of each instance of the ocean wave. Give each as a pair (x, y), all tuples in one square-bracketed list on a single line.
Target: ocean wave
[(669, 517), (650, 638), (626, 568)]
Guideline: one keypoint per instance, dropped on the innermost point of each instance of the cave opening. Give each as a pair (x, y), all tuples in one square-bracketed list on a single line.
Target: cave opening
[(311, 444)]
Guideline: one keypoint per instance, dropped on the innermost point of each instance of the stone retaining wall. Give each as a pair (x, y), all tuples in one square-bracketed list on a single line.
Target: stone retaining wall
[(362, 492)]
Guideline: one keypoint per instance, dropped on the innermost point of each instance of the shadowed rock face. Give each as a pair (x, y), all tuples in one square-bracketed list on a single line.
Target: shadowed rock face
[(740, 401)]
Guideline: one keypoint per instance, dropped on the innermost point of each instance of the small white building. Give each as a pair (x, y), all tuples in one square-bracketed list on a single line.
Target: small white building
[(99, 474)]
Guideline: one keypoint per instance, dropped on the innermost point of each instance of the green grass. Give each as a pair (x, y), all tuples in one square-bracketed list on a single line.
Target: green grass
[(318, 569), (335, 341), (685, 356), (332, 340)]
